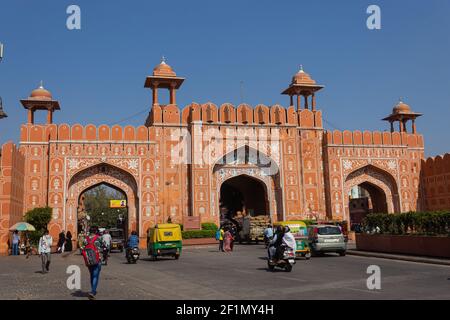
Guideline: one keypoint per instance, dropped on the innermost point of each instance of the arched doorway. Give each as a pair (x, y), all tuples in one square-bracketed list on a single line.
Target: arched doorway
[(370, 190), (94, 208), (364, 199), (254, 179), (94, 176), (244, 194)]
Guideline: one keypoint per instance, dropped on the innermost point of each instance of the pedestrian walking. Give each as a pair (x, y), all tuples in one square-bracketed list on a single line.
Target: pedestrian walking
[(28, 247), (91, 252), (45, 250), (68, 243), (219, 236), (15, 243), (61, 242), (227, 240)]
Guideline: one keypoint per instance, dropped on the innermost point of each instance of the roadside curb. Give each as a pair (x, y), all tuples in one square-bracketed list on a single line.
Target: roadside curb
[(444, 262)]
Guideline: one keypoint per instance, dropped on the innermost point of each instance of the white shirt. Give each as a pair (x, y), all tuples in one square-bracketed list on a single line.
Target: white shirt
[(45, 244), (289, 240), (106, 238)]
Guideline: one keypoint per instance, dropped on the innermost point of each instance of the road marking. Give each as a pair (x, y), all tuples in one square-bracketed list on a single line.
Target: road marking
[(291, 279), (363, 290), (400, 261)]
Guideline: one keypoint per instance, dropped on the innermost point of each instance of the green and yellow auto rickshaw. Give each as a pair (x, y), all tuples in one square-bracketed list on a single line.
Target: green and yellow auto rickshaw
[(164, 240), (300, 232)]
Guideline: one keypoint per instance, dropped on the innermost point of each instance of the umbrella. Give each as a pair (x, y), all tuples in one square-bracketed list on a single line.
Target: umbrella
[(22, 226)]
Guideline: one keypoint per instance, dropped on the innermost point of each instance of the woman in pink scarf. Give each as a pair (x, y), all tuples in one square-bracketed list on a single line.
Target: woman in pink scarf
[(227, 239)]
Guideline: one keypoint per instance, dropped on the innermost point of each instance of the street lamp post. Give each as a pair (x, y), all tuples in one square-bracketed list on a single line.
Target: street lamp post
[(2, 112)]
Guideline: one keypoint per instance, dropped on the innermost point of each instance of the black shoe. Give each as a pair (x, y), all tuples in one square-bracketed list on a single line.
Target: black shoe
[(91, 296)]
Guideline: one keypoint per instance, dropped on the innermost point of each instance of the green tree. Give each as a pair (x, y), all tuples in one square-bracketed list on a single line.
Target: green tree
[(39, 218), (97, 206)]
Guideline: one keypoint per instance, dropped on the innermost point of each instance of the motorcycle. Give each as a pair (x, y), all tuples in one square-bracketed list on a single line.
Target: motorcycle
[(133, 255), (105, 255), (285, 263)]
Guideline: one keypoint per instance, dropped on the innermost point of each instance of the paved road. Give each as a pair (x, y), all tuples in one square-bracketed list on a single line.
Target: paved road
[(204, 273)]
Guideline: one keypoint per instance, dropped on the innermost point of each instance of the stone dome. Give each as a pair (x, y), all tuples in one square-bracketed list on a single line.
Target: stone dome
[(164, 70), (401, 107), (41, 93), (303, 78)]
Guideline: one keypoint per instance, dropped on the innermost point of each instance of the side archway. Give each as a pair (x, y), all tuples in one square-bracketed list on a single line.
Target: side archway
[(108, 175), (370, 189)]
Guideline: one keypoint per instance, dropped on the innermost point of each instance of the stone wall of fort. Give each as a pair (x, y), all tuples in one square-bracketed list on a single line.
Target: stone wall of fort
[(436, 182), (12, 163), (388, 161)]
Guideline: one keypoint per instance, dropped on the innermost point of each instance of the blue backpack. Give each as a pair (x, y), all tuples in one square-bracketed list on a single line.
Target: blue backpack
[(218, 234)]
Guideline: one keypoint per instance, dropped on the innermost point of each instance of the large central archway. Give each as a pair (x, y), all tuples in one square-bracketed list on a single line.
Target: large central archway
[(253, 179), (244, 194), (97, 175)]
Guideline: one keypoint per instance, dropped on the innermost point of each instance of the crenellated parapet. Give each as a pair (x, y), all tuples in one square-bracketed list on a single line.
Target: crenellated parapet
[(373, 138), (436, 165), (228, 114), (78, 133)]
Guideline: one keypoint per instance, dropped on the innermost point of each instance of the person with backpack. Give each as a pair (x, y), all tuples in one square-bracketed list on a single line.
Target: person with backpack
[(219, 236), (92, 246)]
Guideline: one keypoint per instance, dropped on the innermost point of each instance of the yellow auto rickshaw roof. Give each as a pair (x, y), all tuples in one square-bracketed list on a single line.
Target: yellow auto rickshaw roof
[(167, 226), (287, 223)]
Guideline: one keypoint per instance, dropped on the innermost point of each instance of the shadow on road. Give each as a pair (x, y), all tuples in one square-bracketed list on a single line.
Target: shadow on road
[(80, 294)]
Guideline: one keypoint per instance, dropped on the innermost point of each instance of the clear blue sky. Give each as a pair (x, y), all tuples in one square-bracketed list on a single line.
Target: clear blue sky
[(98, 73)]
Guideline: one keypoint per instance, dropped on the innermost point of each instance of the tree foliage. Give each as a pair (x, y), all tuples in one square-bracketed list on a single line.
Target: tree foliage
[(39, 218), (97, 206)]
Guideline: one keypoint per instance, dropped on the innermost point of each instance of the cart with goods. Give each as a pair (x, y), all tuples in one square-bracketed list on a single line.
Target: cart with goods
[(252, 228)]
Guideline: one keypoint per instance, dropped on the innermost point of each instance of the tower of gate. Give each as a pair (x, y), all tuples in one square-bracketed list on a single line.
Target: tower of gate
[(305, 193)]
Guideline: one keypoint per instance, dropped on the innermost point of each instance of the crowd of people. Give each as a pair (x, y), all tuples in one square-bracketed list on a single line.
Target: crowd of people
[(92, 246)]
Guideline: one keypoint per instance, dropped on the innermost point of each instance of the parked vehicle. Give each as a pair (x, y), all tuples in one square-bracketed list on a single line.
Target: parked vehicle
[(164, 240), (300, 232), (117, 239), (286, 263), (326, 238), (133, 255)]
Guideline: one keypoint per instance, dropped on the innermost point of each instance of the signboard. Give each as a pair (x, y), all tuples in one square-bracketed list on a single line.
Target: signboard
[(191, 223), (118, 203)]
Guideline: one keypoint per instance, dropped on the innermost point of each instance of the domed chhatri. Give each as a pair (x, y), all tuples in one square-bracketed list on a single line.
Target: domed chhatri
[(41, 93), (402, 113), (163, 70), (303, 85), (40, 99), (301, 77), (163, 77)]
